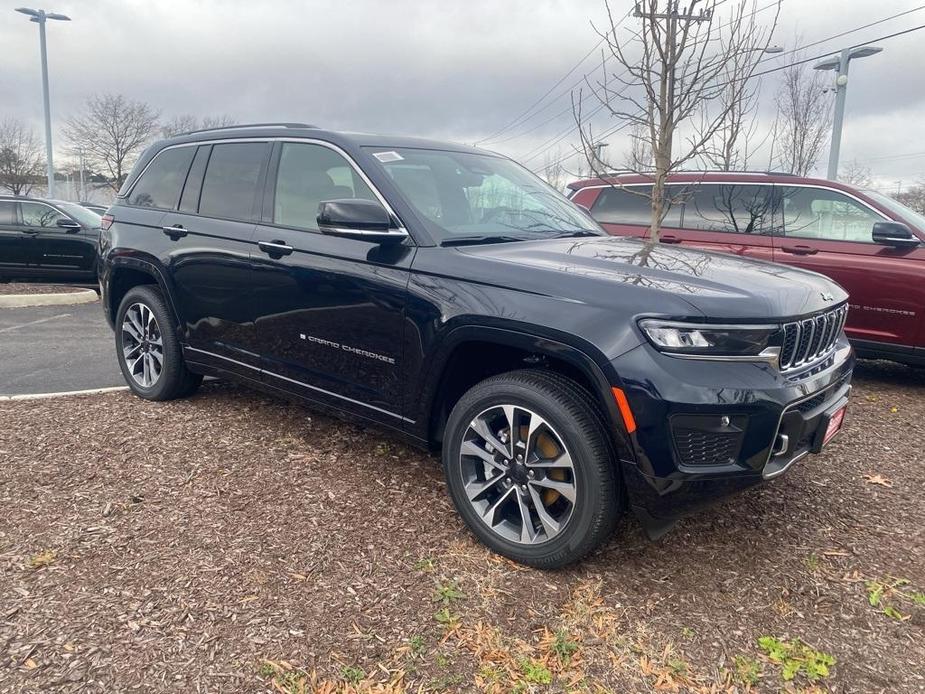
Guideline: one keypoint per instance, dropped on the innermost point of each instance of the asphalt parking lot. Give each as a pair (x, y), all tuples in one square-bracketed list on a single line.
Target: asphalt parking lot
[(55, 349)]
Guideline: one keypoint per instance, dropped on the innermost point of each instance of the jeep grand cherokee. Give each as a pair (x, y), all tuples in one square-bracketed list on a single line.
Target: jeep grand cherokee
[(447, 293)]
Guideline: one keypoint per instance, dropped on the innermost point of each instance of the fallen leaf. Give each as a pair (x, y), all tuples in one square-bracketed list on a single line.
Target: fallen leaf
[(878, 479)]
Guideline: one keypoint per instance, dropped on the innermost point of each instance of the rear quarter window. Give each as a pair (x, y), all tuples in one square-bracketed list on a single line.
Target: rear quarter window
[(633, 205), (160, 184)]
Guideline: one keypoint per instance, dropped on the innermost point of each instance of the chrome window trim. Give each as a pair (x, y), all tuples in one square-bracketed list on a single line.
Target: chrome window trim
[(299, 140), (754, 183), (301, 383)]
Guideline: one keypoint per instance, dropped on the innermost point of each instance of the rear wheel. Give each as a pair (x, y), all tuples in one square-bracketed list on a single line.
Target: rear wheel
[(148, 350), (530, 468)]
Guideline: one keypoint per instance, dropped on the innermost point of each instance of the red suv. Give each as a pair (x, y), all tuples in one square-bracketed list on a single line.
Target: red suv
[(867, 242)]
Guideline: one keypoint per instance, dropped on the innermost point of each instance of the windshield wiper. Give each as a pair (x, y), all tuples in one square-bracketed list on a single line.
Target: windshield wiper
[(576, 233), (476, 240)]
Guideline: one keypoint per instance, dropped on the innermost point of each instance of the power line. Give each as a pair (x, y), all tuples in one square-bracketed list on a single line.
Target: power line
[(518, 121), (537, 151)]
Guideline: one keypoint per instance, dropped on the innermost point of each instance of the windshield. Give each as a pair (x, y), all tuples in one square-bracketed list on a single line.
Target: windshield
[(907, 214), (465, 195), (88, 218)]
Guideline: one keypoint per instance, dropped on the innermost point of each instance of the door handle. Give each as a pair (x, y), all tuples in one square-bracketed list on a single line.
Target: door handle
[(175, 232), (669, 238), (800, 249), (274, 248), (31, 232)]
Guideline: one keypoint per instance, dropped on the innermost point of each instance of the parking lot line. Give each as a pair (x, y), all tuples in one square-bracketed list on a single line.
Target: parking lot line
[(44, 396), (34, 322)]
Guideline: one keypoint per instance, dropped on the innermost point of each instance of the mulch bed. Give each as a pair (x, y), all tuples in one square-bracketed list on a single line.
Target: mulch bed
[(28, 288), (231, 542)]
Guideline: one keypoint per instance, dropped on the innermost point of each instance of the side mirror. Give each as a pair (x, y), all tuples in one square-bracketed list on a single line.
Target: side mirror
[(68, 225), (365, 220), (894, 234)]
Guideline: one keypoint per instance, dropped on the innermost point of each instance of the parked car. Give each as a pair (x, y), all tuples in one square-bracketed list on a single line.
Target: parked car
[(95, 207), (869, 243), (450, 295), (47, 240)]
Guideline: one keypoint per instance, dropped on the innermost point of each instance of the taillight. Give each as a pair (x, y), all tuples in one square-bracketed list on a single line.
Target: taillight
[(106, 221)]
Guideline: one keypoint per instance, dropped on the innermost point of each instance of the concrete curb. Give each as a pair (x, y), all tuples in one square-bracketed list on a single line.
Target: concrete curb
[(84, 296), (46, 396)]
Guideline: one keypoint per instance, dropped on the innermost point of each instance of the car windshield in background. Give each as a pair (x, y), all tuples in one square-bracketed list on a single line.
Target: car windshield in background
[(468, 197), (88, 218), (908, 214)]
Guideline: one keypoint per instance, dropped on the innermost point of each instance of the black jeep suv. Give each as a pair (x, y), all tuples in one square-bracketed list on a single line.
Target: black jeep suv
[(447, 293)]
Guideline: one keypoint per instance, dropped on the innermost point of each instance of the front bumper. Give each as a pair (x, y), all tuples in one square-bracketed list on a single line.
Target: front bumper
[(706, 430)]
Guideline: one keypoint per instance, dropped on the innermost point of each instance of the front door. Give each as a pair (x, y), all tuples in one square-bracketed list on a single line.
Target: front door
[(831, 233), (13, 241), (54, 251), (328, 309), (730, 218)]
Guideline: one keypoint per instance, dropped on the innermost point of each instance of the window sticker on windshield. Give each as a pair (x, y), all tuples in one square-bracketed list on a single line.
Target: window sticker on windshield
[(386, 157)]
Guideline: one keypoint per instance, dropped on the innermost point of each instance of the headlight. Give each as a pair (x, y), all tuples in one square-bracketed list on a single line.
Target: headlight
[(707, 340)]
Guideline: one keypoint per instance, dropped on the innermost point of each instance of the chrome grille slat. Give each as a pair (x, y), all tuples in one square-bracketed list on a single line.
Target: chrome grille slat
[(811, 339)]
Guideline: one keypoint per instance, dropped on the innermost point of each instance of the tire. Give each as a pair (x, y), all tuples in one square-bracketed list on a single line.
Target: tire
[(144, 306), (570, 511)]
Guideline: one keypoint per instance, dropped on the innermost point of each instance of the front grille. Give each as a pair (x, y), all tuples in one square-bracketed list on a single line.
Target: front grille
[(807, 340), (696, 447)]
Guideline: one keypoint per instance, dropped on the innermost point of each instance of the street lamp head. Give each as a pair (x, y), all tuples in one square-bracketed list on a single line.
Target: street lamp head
[(774, 49), (40, 15), (864, 51), (28, 11), (828, 64)]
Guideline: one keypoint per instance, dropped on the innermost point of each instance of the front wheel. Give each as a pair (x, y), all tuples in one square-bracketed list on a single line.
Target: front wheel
[(148, 350), (530, 468)]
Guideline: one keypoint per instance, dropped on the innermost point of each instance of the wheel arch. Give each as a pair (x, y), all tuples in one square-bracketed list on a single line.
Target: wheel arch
[(125, 273), (470, 354)]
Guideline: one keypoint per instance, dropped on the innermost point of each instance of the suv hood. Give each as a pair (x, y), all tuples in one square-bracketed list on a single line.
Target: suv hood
[(714, 285)]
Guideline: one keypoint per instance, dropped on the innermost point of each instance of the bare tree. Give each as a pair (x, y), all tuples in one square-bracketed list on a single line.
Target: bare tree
[(674, 85), (913, 198), (803, 120), (554, 172), (111, 132), (21, 160), (856, 174), (734, 140), (639, 155), (186, 122)]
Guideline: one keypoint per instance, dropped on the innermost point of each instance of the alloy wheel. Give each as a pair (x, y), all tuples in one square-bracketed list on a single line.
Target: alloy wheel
[(142, 346), (518, 474)]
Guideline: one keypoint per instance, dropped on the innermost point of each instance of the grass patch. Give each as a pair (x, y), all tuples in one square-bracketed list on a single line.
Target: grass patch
[(447, 593), (564, 647), (535, 672), (795, 658), (893, 596), (352, 674), (747, 670)]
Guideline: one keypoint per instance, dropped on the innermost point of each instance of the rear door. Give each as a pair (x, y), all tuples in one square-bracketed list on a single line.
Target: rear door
[(328, 309), (739, 219), (207, 240), (831, 232), (13, 240), (52, 250)]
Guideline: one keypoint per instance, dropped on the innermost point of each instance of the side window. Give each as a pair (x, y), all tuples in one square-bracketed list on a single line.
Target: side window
[(817, 213), (229, 187), (160, 184), (7, 212), (737, 209), (308, 175), (189, 201), (632, 205), (35, 214)]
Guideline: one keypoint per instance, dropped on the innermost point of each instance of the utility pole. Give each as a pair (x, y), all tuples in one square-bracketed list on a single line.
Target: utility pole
[(80, 163), (40, 17), (598, 153), (839, 63)]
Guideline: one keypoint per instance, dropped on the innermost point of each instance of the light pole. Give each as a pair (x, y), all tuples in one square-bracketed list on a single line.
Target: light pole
[(839, 63), (39, 17)]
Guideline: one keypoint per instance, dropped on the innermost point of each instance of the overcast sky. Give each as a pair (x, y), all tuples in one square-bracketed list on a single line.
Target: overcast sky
[(450, 69)]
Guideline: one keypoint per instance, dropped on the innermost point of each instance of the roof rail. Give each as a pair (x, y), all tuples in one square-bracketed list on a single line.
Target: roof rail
[(251, 125)]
